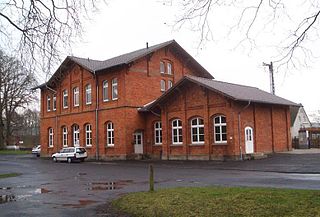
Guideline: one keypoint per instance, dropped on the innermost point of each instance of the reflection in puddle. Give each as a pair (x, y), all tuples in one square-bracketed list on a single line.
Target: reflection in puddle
[(42, 191), (99, 186), (7, 198), (81, 203)]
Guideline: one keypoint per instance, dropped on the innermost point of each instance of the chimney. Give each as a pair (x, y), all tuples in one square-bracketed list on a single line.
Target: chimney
[(147, 44)]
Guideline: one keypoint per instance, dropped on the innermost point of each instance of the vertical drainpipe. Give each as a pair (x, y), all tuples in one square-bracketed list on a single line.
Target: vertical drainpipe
[(96, 114), (239, 126)]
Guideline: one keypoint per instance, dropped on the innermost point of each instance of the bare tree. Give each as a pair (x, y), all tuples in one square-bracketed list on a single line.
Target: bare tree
[(39, 30), (295, 22), (15, 94)]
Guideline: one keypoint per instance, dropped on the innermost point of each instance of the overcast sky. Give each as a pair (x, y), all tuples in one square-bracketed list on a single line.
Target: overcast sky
[(123, 26)]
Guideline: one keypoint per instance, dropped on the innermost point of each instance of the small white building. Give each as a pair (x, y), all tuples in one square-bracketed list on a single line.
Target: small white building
[(299, 120)]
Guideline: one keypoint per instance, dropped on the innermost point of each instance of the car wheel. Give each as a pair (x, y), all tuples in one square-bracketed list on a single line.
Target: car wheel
[(69, 160), (38, 155), (82, 159), (54, 159)]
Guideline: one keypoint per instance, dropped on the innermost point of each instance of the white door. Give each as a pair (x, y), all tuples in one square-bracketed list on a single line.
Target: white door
[(249, 140), (138, 143)]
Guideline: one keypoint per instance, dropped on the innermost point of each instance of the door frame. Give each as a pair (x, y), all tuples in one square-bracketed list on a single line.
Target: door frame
[(135, 134), (251, 141)]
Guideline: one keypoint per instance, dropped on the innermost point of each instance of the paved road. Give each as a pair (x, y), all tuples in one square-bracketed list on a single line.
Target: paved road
[(61, 189)]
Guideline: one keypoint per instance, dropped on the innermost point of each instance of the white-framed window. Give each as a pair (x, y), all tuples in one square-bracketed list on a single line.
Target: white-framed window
[(176, 131), (157, 133), (48, 103), (76, 96), (50, 137), (169, 84), (162, 68), (169, 68), (114, 89), (88, 135), (76, 135), (110, 134), (105, 94), (220, 129), (197, 131), (54, 102), (65, 136), (163, 85), (65, 99), (88, 94)]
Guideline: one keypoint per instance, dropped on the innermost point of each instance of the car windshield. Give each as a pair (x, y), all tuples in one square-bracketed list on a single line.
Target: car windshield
[(81, 150)]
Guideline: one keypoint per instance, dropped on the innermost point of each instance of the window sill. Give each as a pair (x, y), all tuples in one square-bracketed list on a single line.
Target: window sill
[(50, 146), (76, 106), (220, 144), (196, 144), (106, 100), (157, 144), (166, 74), (114, 99), (176, 145), (109, 146), (88, 146), (88, 103)]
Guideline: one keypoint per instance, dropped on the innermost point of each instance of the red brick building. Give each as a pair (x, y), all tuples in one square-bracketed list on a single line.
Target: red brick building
[(158, 102)]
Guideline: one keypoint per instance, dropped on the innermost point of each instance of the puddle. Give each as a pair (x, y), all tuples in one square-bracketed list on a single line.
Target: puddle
[(306, 177), (82, 203), (5, 188), (7, 198), (107, 186)]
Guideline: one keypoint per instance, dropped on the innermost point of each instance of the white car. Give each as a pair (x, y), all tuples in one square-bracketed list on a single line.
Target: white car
[(70, 154), (36, 150)]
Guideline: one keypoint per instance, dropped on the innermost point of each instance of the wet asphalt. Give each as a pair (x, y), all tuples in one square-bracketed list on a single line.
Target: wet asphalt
[(46, 188)]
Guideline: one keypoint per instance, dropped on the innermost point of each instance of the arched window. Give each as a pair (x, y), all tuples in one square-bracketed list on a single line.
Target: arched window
[(163, 85), (76, 96), (162, 67), (169, 68), (220, 129), (76, 135), (50, 137), (65, 136), (105, 91), (65, 98), (88, 128), (48, 103), (176, 131), (114, 89), (158, 133), (110, 134), (197, 131), (169, 84), (88, 94)]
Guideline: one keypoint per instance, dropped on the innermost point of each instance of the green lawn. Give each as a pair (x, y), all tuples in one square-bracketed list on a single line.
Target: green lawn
[(13, 152), (8, 175), (221, 201)]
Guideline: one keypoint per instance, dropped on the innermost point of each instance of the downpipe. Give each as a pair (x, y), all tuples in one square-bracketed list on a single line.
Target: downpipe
[(239, 130)]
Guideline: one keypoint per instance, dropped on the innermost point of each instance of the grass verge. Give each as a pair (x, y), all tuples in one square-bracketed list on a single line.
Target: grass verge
[(14, 152), (221, 201), (8, 175)]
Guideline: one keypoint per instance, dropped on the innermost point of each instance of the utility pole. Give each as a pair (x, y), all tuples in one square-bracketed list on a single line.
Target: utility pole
[(270, 66)]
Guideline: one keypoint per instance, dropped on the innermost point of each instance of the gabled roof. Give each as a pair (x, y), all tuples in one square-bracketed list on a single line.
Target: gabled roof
[(95, 66), (233, 91)]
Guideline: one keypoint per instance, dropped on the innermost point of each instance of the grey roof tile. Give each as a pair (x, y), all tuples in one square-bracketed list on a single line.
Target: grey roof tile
[(234, 91), (241, 92)]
